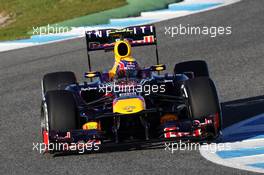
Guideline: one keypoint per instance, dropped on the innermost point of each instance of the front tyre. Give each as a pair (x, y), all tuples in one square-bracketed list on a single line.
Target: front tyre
[(203, 101), (59, 113)]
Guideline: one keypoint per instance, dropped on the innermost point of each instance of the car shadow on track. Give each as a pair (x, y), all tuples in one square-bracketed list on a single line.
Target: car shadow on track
[(242, 119), (108, 150), (241, 109)]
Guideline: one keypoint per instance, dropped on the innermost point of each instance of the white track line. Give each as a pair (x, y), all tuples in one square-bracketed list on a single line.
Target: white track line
[(249, 127)]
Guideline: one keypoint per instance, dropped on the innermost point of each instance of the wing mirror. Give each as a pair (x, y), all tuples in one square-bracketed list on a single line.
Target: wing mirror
[(159, 67), (92, 74)]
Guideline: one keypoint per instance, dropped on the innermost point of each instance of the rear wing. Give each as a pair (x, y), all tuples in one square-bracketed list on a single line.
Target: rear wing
[(105, 39)]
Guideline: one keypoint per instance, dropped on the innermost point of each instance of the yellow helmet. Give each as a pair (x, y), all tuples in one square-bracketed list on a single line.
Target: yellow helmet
[(122, 51)]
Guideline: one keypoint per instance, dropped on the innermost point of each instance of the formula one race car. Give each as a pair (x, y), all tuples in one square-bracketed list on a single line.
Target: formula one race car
[(129, 103)]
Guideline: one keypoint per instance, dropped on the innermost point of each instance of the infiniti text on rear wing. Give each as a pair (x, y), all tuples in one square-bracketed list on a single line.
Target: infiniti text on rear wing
[(105, 39)]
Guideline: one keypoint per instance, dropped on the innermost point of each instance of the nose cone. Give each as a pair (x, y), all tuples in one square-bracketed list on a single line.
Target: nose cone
[(128, 105)]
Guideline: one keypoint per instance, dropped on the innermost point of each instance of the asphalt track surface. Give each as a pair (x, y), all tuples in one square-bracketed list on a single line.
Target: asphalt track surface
[(236, 64)]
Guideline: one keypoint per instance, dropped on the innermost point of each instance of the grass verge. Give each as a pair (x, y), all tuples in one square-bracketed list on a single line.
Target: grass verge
[(133, 8), (26, 14)]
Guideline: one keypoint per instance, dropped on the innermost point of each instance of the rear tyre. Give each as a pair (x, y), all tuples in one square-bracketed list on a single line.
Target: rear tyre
[(203, 100), (199, 68), (57, 81)]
